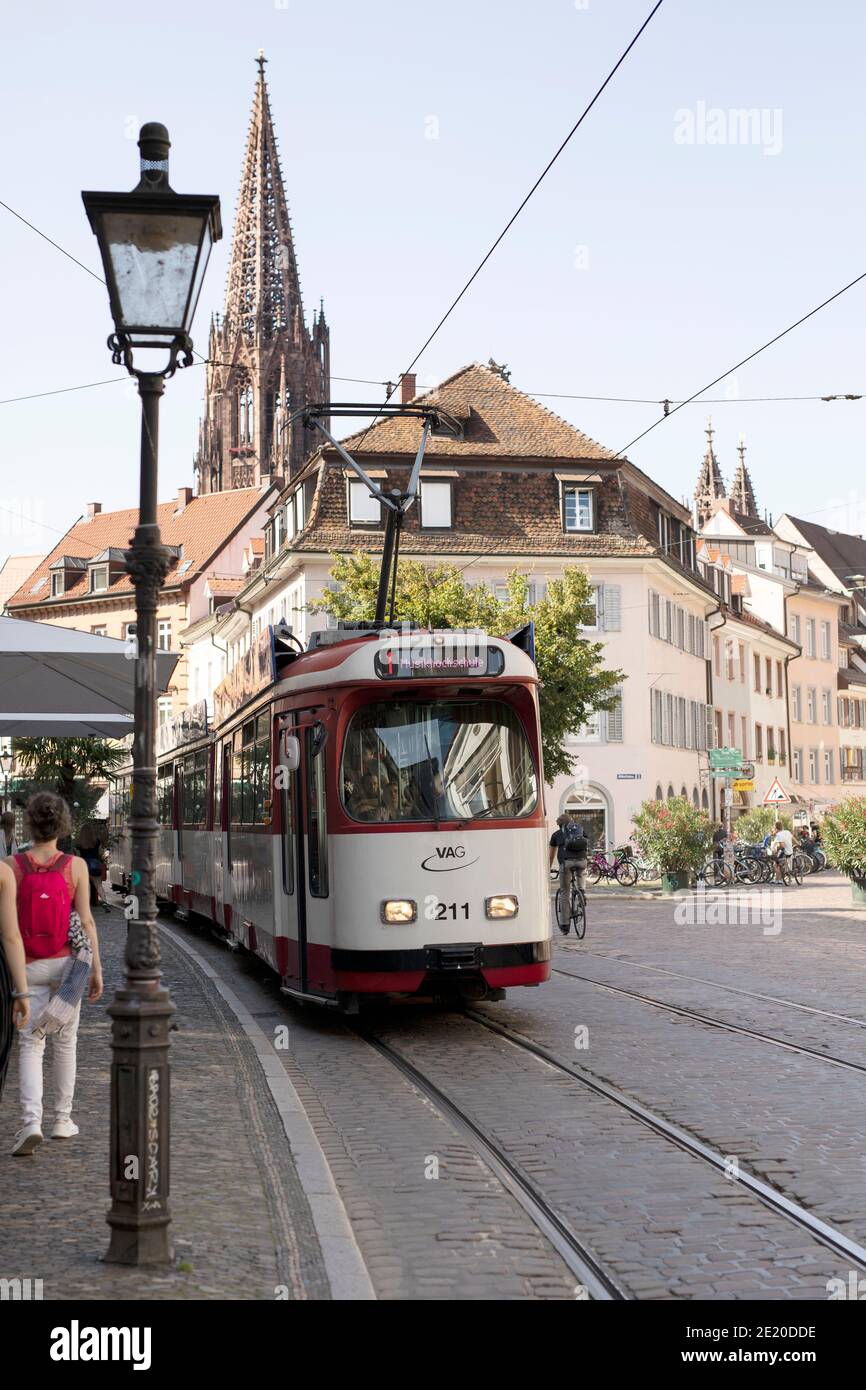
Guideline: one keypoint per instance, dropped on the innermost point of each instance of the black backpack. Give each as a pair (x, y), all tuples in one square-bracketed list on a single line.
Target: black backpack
[(574, 842)]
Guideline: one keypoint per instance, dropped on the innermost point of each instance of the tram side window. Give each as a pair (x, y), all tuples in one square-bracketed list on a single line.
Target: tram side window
[(217, 785), (317, 824), (165, 781), (195, 788), (236, 785), (251, 773), (262, 806), (201, 787)]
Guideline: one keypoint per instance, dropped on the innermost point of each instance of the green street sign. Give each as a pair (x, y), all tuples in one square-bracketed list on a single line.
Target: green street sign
[(725, 757)]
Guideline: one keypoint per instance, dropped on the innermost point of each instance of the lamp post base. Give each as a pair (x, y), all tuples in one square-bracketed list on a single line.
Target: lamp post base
[(139, 1215)]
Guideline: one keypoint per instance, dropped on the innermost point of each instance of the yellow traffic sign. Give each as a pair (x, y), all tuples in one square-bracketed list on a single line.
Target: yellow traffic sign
[(744, 784)]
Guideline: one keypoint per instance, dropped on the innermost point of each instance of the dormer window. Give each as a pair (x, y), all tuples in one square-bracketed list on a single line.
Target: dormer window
[(364, 508), (57, 584), (436, 505), (98, 578), (578, 508)]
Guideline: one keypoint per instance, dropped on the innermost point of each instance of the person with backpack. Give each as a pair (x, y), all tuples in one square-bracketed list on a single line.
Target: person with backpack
[(62, 955), (568, 844)]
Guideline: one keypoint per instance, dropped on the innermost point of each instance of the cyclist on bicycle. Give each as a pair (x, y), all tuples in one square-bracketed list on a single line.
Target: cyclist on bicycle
[(781, 849), (569, 845)]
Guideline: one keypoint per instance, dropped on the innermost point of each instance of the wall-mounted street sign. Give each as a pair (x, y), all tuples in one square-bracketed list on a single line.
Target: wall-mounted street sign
[(776, 794), (629, 776), (725, 757)]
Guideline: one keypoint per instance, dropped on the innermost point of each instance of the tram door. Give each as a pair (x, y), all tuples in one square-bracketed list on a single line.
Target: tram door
[(222, 774), (313, 854), (177, 876), (290, 875)]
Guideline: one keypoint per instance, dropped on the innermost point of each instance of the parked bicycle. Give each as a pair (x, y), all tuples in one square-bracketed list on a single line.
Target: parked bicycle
[(620, 867), (714, 873)]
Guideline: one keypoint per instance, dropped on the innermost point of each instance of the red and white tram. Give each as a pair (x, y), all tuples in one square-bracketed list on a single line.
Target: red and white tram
[(367, 816)]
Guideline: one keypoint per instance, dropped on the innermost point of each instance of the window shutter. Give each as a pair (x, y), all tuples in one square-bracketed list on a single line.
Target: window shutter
[(612, 607), (653, 613), (614, 719), (600, 607)]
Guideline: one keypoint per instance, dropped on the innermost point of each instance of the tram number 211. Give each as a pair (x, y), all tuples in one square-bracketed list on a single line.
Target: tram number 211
[(437, 911)]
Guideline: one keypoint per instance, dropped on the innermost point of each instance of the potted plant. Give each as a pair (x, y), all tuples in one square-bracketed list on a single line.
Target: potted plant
[(844, 834), (675, 835)]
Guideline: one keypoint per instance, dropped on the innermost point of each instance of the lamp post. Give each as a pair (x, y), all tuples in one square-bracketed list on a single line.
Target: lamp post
[(155, 245)]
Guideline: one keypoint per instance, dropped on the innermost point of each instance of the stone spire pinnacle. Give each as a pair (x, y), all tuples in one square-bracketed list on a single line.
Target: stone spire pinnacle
[(264, 361), (710, 484), (742, 493), (263, 291)]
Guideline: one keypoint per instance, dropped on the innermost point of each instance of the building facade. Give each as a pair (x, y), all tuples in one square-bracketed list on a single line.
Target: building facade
[(520, 489)]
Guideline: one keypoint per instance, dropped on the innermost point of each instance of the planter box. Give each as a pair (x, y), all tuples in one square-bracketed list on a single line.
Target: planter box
[(858, 892), (674, 880)]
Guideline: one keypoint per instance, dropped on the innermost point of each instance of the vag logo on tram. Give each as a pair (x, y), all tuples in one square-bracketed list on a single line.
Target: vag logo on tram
[(446, 852)]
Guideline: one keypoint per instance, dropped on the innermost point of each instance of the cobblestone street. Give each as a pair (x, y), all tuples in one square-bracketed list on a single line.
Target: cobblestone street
[(751, 1044)]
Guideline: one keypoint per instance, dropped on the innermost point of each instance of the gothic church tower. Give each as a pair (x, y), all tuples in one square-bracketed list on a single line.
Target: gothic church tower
[(263, 362)]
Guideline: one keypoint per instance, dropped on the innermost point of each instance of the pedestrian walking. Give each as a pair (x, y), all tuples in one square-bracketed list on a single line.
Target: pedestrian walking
[(8, 842), (14, 995), (91, 849), (62, 964)]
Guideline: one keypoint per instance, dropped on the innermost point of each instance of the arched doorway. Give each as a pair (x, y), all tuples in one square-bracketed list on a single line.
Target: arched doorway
[(670, 791), (705, 800), (591, 807), (660, 796), (696, 801)]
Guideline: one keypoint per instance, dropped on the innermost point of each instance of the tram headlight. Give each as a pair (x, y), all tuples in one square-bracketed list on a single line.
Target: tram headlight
[(397, 910), (503, 905)]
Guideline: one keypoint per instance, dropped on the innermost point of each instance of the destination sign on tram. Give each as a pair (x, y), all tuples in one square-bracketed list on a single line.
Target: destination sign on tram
[(440, 659)]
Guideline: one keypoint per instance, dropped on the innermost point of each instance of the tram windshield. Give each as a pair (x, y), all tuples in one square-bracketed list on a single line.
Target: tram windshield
[(443, 761)]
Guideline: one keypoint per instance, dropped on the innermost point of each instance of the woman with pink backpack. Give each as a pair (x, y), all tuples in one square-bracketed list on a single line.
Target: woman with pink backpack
[(62, 955)]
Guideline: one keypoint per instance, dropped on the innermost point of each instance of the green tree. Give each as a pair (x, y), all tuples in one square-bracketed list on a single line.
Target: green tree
[(573, 680), (754, 824), (69, 766)]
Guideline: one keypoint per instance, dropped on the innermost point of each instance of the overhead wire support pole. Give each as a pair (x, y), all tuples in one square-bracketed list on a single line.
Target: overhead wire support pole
[(398, 503)]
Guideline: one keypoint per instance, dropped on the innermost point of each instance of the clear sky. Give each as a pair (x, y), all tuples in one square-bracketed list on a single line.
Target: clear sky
[(660, 250)]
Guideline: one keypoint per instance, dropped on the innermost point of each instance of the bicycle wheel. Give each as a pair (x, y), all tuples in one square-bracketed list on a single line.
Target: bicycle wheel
[(593, 873), (820, 861), (801, 865), (578, 911), (626, 873), (766, 870), (716, 873), (797, 869), (747, 871)]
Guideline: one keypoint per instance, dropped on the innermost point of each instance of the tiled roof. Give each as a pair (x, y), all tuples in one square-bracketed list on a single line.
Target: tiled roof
[(496, 512), (850, 675), (13, 572), (201, 528), (843, 553), (498, 420), (225, 585), (752, 525)]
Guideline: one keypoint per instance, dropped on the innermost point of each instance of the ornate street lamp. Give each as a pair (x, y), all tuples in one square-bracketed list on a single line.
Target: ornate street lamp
[(155, 245)]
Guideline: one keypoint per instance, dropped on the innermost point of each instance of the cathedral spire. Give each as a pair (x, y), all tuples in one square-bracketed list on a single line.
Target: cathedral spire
[(710, 484), (265, 362), (263, 292), (742, 493)]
